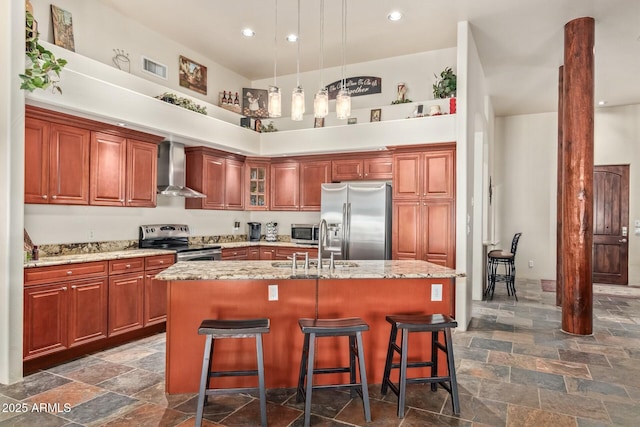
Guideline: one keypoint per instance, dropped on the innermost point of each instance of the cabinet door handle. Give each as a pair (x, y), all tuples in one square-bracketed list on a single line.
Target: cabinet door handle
[(64, 288), (128, 265), (74, 287), (54, 197), (69, 273), (44, 196), (140, 277), (161, 261)]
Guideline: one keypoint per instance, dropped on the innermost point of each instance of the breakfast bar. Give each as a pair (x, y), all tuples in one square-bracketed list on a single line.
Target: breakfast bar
[(254, 289)]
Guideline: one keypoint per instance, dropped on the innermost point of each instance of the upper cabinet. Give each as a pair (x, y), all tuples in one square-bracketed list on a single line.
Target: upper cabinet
[(313, 173), (424, 175), (296, 186), (123, 171), (362, 168), (56, 163), (67, 161), (218, 175), (257, 182)]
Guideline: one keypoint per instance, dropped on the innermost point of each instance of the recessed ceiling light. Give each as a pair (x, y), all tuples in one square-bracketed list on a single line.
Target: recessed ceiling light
[(248, 32), (394, 15), (292, 38)]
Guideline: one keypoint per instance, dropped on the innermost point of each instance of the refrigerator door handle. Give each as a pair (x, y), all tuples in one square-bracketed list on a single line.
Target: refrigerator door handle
[(348, 232), (343, 244)]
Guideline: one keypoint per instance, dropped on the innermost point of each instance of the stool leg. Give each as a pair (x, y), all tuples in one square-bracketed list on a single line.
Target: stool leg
[(303, 369), (513, 281), (363, 378), (352, 364), (204, 379), (261, 385), (310, 361), (434, 359), (403, 373), (451, 365), (387, 365)]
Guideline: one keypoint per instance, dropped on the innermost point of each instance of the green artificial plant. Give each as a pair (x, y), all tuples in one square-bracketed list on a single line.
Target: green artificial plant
[(445, 85), (43, 68), (174, 99)]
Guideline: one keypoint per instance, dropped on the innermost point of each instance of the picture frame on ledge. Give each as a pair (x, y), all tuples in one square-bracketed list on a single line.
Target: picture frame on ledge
[(318, 122), (376, 115), (352, 120)]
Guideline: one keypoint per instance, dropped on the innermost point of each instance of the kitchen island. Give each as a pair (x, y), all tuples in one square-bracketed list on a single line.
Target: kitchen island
[(251, 289)]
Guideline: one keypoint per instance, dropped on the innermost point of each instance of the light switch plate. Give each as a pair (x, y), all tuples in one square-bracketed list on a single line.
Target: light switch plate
[(273, 292), (436, 292)]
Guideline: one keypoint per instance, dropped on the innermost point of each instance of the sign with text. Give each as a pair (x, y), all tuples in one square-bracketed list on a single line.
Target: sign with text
[(357, 86)]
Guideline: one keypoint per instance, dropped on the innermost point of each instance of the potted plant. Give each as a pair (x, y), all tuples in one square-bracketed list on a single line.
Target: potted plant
[(445, 85), (43, 68)]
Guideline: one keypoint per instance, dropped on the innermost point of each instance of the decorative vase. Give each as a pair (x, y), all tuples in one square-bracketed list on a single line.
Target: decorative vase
[(452, 105)]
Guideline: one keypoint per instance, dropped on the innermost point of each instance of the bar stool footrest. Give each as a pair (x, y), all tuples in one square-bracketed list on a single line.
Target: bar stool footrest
[(413, 365), (330, 370), (248, 373), (215, 391)]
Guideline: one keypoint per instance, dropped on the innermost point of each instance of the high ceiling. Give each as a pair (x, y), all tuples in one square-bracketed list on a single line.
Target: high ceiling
[(520, 42)]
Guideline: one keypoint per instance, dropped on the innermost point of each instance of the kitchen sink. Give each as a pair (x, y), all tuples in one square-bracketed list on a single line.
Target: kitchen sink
[(314, 264)]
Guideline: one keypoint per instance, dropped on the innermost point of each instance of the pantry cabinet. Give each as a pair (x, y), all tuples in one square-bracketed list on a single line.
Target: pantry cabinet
[(362, 168)]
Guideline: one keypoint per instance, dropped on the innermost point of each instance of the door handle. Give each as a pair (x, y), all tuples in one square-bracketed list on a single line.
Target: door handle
[(622, 241)]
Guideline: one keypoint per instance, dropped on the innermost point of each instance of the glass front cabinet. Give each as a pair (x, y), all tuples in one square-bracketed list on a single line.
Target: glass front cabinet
[(257, 180)]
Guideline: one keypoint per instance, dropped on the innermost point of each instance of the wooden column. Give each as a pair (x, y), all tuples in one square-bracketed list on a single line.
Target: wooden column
[(577, 211), (560, 195)]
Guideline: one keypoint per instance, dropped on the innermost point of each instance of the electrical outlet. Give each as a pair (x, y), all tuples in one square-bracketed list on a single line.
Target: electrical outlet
[(273, 292), (91, 234), (530, 263), (436, 292)]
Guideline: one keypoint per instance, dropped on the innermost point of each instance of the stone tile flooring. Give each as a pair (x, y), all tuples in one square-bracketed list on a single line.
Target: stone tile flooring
[(515, 368)]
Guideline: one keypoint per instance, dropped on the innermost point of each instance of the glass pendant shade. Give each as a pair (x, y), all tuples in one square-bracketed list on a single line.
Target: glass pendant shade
[(275, 102), (297, 104), (321, 104), (343, 104)]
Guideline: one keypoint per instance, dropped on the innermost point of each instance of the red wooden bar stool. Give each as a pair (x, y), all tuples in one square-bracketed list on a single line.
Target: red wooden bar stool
[(218, 329), (433, 323)]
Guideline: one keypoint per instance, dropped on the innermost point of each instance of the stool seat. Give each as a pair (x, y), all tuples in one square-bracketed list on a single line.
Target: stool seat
[(500, 255), (233, 328), (214, 329), (433, 323), (424, 322), (351, 327), (507, 260), (333, 327)]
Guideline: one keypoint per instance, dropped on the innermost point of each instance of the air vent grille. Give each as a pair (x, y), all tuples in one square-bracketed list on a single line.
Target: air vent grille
[(152, 67)]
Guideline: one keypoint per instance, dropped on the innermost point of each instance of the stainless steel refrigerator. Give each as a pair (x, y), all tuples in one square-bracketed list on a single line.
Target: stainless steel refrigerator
[(358, 219)]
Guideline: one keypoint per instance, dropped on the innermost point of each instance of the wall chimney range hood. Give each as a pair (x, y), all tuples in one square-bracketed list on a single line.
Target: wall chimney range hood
[(171, 171)]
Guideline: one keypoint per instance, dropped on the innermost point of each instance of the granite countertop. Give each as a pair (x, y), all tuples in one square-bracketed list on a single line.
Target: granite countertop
[(265, 243), (99, 256), (272, 270)]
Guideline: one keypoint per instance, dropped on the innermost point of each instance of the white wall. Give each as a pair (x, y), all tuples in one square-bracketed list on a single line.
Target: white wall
[(526, 176)]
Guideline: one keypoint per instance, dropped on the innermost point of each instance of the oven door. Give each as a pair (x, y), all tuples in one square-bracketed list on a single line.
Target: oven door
[(200, 255)]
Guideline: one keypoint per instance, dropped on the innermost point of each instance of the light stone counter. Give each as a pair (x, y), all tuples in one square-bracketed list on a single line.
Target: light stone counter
[(98, 256), (265, 243), (273, 270)]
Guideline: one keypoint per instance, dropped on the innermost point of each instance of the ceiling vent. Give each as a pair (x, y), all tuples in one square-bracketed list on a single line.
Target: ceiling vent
[(152, 67)]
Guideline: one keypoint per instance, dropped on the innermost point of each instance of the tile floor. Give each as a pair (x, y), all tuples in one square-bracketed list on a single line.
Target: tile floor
[(515, 368)]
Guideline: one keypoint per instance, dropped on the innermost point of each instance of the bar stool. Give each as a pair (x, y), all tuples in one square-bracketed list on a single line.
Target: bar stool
[(433, 323), (218, 329), (497, 258), (316, 328)]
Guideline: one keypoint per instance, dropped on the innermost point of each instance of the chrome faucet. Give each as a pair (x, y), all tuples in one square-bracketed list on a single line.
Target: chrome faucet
[(322, 237)]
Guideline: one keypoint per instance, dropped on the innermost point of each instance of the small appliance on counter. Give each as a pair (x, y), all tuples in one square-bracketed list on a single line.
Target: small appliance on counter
[(304, 233), (271, 234), (255, 231)]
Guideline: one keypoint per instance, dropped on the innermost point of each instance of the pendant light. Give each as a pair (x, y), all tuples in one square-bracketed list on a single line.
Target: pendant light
[(321, 100), (297, 97), (274, 94), (343, 99)]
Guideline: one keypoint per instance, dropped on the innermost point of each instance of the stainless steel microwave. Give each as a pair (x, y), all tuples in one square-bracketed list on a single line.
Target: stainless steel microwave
[(304, 233)]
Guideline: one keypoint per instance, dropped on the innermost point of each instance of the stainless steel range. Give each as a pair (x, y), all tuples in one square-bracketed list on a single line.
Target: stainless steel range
[(176, 237)]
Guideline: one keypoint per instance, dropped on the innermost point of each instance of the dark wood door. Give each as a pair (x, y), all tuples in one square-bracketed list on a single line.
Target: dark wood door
[(285, 187), (69, 165), (405, 240), (45, 319), (108, 169), (438, 178), (234, 185), (126, 298), (312, 175), (611, 224), (36, 161), (346, 170), (267, 253), (88, 310), (155, 298), (406, 179), (437, 243), (378, 168), (142, 159)]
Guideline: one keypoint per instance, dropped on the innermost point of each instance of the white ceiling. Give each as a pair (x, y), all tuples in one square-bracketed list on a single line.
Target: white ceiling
[(520, 42)]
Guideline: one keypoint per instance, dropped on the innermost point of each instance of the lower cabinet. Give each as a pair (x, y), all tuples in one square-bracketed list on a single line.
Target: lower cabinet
[(126, 303), (88, 311), (155, 298), (267, 253), (231, 254), (253, 254)]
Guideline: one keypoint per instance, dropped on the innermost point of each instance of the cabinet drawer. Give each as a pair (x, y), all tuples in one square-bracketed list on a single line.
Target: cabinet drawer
[(159, 261), (40, 275), (235, 253), (128, 265)]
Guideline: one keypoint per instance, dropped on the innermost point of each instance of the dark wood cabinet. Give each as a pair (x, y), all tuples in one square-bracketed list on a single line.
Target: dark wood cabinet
[(424, 206), (88, 310), (45, 320), (230, 254), (155, 291), (220, 178), (362, 168), (267, 253), (312, 175), (142, 175), (285, 188), (56, 163), (253, 254), (257, 182), (126, 303)]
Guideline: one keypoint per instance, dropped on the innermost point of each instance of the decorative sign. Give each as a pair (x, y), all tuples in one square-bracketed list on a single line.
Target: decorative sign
[(357, 86)]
